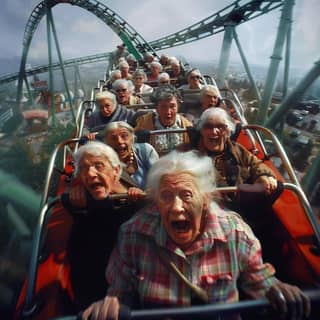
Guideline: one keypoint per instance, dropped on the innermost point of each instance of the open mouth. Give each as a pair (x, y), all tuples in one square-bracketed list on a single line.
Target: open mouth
[(96, 185), (181, 225)]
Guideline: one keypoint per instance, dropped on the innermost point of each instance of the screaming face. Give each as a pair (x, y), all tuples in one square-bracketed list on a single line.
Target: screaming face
[(181, 206)]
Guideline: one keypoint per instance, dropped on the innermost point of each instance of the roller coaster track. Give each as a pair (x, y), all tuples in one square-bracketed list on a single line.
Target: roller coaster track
[(236, 13), (55, 66)]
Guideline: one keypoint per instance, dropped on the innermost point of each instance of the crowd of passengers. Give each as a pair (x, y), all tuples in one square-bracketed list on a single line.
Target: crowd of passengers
[(172, 215)]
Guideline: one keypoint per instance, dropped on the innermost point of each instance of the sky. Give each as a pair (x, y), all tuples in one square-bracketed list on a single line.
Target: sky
[(80, 33)]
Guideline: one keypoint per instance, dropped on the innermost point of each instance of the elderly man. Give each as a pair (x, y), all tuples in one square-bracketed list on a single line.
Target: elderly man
[(109, 111), (193, 77), (185, 233), (165, 117), (94, 233), (123, 90)]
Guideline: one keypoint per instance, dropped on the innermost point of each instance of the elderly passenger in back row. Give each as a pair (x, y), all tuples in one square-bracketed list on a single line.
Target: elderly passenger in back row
[(234, 164), (109, 111), (166, 117), (185, 232), (123, 90)]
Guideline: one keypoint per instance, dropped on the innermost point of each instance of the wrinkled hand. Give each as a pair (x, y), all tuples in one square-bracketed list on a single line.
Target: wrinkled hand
[(108, 308), (78, 196), (270, 183), (289, 300), (135, 194), (91, 136)]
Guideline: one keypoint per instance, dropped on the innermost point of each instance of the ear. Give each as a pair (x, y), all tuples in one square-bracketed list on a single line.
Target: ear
[(117, 171), (206, 202)]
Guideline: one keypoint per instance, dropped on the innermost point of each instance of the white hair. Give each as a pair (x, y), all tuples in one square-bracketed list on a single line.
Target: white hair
[(218, 115), (106, 95), (156, 64), (163, 76), (209, 89), (121, 82), (97, 149), (200, 167), (118, 125)]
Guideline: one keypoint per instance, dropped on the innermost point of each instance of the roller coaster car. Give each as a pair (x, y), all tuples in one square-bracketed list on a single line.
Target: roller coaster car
[(288, 230)]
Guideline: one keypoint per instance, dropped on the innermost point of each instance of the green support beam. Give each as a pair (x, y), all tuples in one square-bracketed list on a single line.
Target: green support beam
[(61, 65), (295, 96), (285, 20), (224, 55), (246, 66), (51, 105)]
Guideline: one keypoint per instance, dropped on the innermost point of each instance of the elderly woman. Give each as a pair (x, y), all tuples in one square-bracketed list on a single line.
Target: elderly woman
[(138, 78), (109, 111), (136, 157), (94, 233), (166, 116), (163, 79), (185, 233), (124, 69), (155, 69), (114, 75), (123, 90), (209, 97), (193, 77), (234, 164)]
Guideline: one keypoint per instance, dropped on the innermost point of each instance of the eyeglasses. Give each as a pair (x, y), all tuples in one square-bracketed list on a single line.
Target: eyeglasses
[(195, 77), (211, 126), (121, 90)]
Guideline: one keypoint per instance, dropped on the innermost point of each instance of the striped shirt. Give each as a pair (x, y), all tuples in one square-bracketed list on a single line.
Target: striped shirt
[(224, 257)]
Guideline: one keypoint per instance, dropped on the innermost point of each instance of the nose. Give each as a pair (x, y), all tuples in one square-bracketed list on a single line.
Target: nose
[(177, 205), (92, 171)]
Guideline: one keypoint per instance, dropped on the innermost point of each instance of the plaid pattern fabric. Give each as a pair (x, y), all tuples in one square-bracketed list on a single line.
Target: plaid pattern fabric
[(226, 255)]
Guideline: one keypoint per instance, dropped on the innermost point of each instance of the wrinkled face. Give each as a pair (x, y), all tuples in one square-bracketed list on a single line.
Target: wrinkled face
[(181, 206), (124, 71), (138, 81), (155, 70), (209, 100), (97, 175), (194, 81), (167, 111), (121, 141), (123, 95), (106, 107), (214, 135), (175, 68)]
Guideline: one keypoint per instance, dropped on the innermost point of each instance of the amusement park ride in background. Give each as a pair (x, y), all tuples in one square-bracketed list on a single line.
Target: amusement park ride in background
[(305, 243)]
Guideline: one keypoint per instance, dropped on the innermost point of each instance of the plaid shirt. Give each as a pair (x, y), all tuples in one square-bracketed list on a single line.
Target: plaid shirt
[(225, 256)]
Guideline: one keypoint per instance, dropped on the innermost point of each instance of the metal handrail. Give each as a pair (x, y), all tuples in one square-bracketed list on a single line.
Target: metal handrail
[(30, 305), (52, 161), (80, 117), (203, 311), (307, 208), (234, 97), (281, 152)]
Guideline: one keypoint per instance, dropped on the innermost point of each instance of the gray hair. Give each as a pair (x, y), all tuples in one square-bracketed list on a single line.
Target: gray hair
[(200, 167), (122, 83), (209, 89), (156, 64), (164, 76), (123, 64), (106, 95), (97, 149), (114, 73), (217, 114), (139, 72), (118, 125)]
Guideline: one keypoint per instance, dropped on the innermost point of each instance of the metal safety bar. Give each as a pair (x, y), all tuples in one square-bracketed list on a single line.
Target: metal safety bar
[(30, 305), (80, 117), (51, 165), (280, 150), (203, 311)]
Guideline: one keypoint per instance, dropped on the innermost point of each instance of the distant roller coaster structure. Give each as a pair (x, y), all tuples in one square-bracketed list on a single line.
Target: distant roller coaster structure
[(225, 20)]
